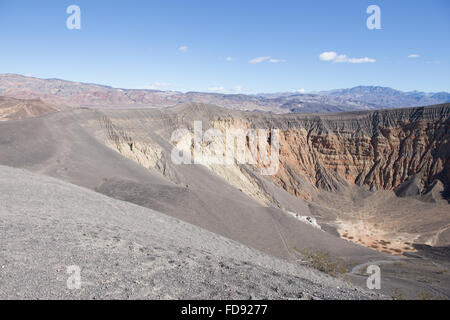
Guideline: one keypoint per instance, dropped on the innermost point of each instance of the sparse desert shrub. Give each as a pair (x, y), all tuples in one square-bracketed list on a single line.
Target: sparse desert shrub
[(425, 280), (423, 295), (441, 271), (363, 270), (323, 262), (398, 295)]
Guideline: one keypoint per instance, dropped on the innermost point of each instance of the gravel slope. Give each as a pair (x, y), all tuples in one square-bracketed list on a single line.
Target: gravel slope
[(130, 252)]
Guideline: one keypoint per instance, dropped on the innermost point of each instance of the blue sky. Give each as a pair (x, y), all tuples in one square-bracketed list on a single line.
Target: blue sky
[(209, 45)]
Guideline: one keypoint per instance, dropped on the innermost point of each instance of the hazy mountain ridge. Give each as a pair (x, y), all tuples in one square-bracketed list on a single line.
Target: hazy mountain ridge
[(76, 94), (388, 97)]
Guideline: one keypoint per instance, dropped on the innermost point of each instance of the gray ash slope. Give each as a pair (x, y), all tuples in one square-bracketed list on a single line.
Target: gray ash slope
[(126, 251), (65, 146)]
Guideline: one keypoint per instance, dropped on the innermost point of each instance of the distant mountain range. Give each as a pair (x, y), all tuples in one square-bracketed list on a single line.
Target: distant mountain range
[(388, 97), (76, 94)]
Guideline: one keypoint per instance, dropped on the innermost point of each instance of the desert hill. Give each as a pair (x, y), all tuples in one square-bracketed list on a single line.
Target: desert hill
[(16, 109), (363, 186)]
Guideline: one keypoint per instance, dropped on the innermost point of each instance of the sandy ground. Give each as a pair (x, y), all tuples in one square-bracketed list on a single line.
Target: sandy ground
[(384, 222), (369, 235)]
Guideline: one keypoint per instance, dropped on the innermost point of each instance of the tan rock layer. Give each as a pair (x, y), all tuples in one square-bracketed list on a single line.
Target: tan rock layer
[(378, 150), (381, 161)]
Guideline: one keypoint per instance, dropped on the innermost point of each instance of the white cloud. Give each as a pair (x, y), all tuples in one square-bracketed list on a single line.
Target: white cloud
[(343, 58), (159, 86), (221, 89), (276, 60), (265, 59), (183, 48), (217, 89), (300, 90), (328, 56), (414, 55), (361, 60), (259, 59), (228, 58)]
